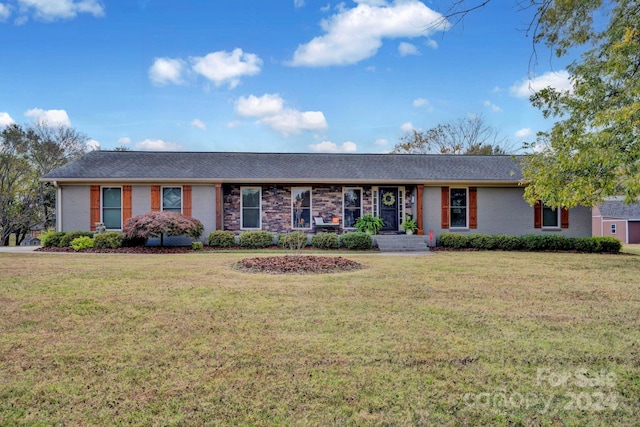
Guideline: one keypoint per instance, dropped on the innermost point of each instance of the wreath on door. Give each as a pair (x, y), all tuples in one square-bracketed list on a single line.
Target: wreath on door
[(388, 199)]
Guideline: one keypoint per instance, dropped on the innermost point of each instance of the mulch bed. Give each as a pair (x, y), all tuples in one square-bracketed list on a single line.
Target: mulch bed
[(297, 264)]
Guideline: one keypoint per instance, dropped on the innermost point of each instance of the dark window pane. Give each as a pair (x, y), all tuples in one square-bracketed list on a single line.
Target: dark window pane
[(251, 197), (458, 217), (111, 197), (111, 218), (352, 198), (549, 217), (250, 218), (458, 197)]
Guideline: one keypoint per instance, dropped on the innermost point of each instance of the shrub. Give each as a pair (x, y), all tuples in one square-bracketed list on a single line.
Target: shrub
[(608, 244), (221, 239), (197, 246), (108, 240), (133, 242), (453, 240), (325, 241), (506, 242), (557, 242), (256, 239), (357, 240), (159, 224), (294, 241), (83, 242), (65, 241), (369, 224), (480, 241), (52, 238), (585, 244), (533, 242)]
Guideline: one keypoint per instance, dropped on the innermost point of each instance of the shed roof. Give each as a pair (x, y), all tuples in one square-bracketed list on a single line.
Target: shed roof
[(287, 167), (618, 209)]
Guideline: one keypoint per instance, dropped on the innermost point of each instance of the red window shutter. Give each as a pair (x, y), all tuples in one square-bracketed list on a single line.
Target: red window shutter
[(94, 215), (126, 203), (537, 214), (155, 198), (445, 208), (473, 207), (564, 218), (186, 200)]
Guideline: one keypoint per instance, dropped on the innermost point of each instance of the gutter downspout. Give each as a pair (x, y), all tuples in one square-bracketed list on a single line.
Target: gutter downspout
[(58, 206)]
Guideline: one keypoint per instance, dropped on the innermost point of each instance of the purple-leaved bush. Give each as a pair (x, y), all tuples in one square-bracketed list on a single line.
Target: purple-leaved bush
[(159, 224)]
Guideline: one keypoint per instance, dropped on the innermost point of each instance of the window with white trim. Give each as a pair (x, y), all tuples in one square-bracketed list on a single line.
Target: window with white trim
[(112, 208), (301, 207), (613, 228), (172, 199), (550, 217), (352, 204), (458, 206), (250, 203)]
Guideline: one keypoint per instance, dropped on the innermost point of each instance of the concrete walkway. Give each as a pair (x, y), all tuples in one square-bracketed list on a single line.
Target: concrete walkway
[(18, 249)]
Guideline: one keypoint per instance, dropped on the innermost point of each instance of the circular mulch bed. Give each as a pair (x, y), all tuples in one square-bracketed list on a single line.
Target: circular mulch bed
[(297, 264)]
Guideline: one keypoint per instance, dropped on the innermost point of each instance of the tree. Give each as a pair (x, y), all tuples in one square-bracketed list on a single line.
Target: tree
[(27, 153), (159, 224), (471, 135), (593, 149)]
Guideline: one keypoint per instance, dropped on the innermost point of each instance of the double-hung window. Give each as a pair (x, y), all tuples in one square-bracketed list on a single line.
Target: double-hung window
[(352, 206), (458, 206), (112, 207), (172, 199), (550, 217), (301, 207), (250, 207)]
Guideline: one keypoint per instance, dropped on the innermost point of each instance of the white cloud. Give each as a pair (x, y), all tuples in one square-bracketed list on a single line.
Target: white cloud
[(406, 49), (557, 80), (93, 145), (270, 110), (524, 133), (124, 140), (381, 141), (407, 127), (197, 123), (432, 43), (49, 117), (5, 12), (166, 70), (423, 103), (6, 120), (492, 106), (51, 10), (157, 145), (332, 147), (298, 3), (352, 35), (227, 67), (266, 105)]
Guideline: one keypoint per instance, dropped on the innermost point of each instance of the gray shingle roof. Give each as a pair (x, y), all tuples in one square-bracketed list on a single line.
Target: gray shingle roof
[(283, 167), (617, 209)]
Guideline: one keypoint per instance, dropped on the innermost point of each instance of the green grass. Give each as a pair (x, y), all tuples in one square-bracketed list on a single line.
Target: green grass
[(412, 340)]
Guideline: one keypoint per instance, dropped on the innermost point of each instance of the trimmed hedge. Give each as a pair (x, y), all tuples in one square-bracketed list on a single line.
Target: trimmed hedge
[(108, 240), (52, 238), (256, 239), (325, 241), (530, 242), (357, 240), (221, 239), (65, 241)]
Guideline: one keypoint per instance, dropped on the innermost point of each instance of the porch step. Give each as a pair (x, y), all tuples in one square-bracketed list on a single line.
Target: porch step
[(401, 243)]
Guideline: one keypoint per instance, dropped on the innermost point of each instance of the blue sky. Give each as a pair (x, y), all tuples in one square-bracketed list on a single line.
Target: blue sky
[(256, 75)]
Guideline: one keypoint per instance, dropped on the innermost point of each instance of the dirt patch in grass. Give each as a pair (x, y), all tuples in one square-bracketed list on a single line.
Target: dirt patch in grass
[(296, 264)]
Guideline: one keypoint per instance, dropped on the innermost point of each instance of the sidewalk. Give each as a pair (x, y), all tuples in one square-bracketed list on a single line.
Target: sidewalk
[(18, 249)]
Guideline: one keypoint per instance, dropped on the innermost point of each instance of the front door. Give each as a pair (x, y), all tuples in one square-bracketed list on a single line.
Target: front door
[(389, 208)]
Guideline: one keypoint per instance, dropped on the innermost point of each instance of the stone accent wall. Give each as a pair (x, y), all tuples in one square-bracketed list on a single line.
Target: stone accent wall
[(326, 202)]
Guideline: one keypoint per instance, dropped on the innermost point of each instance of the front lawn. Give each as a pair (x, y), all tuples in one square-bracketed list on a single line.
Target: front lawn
[(454, 338)]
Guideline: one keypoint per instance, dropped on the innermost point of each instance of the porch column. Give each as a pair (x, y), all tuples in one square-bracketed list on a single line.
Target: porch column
[(219, 206), (419, 190)]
